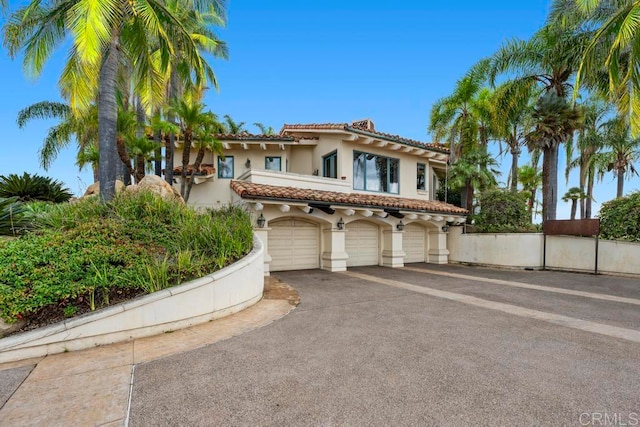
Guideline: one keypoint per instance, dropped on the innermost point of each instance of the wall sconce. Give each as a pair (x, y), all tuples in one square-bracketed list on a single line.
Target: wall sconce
[(340, 224), (445, 228), (247, 164), (400, 226), (261, 221)]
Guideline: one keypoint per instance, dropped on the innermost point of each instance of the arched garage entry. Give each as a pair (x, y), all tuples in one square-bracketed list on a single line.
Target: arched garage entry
[(414, 242), (362, 244), (294, 244)]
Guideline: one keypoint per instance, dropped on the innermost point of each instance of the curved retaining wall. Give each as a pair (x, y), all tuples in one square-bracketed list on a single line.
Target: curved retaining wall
[(220, 294)]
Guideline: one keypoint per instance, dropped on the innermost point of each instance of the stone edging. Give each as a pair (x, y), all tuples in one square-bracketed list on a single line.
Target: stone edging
[(220, 294)]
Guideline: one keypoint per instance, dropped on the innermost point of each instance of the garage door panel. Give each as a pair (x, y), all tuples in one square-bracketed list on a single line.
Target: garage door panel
[(294, 245), (362, 244), (413, 242)]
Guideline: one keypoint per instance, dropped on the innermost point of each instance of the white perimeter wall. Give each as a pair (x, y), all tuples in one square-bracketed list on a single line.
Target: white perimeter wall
[(224, 292), (525, 250)]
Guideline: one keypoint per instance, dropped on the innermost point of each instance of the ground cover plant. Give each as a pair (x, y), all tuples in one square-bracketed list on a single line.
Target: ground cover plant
[(87, 255)]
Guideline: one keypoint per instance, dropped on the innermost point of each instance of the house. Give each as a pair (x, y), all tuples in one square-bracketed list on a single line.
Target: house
[(333, 196)]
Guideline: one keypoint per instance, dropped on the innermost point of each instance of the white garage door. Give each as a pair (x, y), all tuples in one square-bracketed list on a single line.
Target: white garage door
[(413, 243), (362, 244), (294, 245)]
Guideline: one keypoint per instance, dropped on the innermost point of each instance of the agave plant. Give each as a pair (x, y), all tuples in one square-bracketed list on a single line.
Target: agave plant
[(28, 188), (12, 219)]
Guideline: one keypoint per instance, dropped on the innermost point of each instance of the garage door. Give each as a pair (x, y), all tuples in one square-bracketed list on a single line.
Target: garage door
[(362, 244), (413, 243), (294, 245)]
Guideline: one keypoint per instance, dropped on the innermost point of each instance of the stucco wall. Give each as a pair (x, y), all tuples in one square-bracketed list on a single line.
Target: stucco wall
[(224, 292), (526, 251)]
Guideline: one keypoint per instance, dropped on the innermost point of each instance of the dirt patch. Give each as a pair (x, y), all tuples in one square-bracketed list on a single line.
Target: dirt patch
[(275, 288)]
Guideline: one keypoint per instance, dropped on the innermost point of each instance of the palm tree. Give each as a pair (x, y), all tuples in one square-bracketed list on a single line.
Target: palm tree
[(512, 120), (474, 170), (102, 32), (83, 127), (265, 130), (589, 143), (574, 194), (555, 121), (232, 127), (530, 178), (623, 151), (204, 139)]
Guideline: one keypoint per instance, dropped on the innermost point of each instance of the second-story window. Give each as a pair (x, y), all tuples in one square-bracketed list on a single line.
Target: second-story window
[(225, 167), (421, 183), (273, 163), (376, 173), (330, 165)]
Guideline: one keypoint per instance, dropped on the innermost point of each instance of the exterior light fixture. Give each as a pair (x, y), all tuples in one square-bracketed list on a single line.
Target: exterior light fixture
[(445, 228), (400, 226), (247, 164), (261, 221), (340, 224)]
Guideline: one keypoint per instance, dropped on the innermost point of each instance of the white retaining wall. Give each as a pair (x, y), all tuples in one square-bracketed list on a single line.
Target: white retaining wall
[(525, 250), (220, 294)]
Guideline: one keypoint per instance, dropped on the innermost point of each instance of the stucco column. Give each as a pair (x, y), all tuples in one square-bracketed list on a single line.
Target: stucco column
[(263, 234), (392, 252), (334, 257), (438, 252)]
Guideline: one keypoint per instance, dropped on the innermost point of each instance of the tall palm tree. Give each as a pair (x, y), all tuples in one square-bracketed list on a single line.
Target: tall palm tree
[(589, 142), (512, 108), (232, 127), (620, 153), (555, 121), (204, 139), (102, 33), (548, 60), (265, 130), (530, 178)]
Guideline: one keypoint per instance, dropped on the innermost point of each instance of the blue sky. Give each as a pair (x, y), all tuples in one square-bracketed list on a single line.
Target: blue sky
[(318, 61)]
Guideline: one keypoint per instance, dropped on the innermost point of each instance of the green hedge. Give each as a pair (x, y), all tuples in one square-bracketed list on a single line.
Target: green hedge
[(502, 211), (620, 218), (86, 254)]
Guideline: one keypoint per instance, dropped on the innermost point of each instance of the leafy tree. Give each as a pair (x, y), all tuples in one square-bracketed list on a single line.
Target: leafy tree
[(619, 218), (28, 187), (530, 178), (502, 212), (574, 194)]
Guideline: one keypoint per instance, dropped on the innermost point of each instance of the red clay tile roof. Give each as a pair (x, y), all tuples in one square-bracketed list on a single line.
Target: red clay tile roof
[(249, 190), (253, 137), (204, 169), (349, 128)]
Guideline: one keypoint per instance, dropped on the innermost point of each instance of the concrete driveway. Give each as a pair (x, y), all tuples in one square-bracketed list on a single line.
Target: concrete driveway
[(423, 345)]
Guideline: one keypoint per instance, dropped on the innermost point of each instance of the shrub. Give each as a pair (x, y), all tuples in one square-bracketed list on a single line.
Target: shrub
[(88, 255), (620, 218), (12, 217), (502, 212), (33, 187)]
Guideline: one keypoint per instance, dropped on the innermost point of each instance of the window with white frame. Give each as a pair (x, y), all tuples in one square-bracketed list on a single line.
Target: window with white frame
[(421, 182), (225, 167)]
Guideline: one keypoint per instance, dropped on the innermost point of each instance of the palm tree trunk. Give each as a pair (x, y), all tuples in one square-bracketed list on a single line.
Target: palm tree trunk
[(515, 153), (96, 178), (170, 147), (186, 155), (574, 205), (141, 119), (123, 155), (620, 183), (532, 203), (196, 166), (107, 120), (589, 199), (469, 197), (550, 183), (157, 138)]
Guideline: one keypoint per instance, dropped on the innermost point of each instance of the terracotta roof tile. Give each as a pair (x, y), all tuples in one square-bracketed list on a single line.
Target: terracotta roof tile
[(253, 137), (249, 190), (349, 128)]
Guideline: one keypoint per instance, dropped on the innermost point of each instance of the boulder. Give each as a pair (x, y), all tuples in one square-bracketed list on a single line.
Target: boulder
[(159, 186), (9, 328), (94, 189)]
